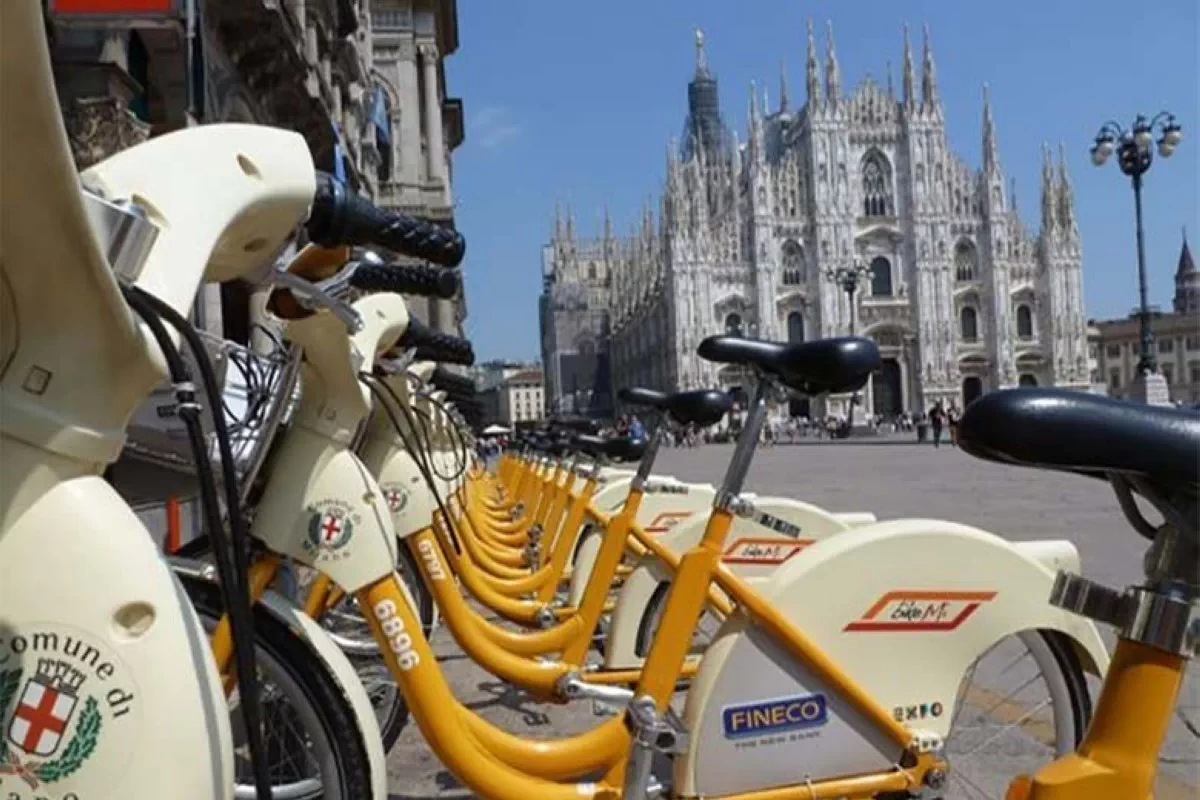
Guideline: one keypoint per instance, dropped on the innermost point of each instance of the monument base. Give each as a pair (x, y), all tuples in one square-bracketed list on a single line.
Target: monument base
[(1150, 388)]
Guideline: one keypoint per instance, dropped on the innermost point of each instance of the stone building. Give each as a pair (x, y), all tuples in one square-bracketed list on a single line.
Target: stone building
[(1118, 348), (511, 393), (362, 80), (960, 295)]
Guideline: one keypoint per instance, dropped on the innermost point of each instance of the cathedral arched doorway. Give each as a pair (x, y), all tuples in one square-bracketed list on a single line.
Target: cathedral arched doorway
[(1026, 379), (887, 389), (972, 388), (795, 327)]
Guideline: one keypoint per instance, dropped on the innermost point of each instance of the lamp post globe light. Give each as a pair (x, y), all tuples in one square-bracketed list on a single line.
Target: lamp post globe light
[(1134, 156), (847, 279)]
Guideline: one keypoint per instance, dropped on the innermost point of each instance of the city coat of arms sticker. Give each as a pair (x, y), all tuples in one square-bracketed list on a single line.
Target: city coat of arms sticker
[(396, 496), (58, 703), (329, 528)]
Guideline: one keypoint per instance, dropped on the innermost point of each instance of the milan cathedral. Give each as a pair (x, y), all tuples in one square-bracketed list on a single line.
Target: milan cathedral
[(960, 296)]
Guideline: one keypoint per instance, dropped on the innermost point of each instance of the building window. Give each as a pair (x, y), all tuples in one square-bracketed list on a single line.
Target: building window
[(1166, 345), (793, 264), (877, 185), (1194, 372), (1113, 351), (965, 261), (733, 324), (1024, 322), (1168, 373), (881, 277), (1114, 379), (969, 324), (1192, 343)]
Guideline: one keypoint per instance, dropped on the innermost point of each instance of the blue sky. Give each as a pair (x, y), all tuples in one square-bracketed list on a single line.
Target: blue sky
[(575, 101)]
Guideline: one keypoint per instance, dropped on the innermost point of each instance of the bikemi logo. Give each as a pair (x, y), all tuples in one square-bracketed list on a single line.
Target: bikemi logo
[(920, 611), (769, 717), (330, 528), (666, 520), (55, 716), (762, 550)]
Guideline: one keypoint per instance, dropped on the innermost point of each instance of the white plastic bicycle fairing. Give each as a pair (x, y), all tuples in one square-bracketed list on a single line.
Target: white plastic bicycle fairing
[(752, 552), (404, 489), (108, 686), (928, 595), (322, 506)]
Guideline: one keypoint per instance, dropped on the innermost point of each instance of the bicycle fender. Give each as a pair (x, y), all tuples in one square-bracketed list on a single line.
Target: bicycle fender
[(902, 607)]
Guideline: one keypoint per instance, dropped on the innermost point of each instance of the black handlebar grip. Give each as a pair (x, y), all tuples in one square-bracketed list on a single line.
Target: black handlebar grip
[(453, 385), (432, 345), (417, 279), (340, 217)]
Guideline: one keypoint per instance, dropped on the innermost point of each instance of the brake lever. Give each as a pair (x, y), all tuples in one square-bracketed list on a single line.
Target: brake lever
[(399, 364), (315, 297)]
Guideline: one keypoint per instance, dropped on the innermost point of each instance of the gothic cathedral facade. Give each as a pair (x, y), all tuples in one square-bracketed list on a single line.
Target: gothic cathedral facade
[(960, 296)]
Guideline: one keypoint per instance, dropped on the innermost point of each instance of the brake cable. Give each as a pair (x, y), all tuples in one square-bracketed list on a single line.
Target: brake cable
[(230, 557), (379, 387)]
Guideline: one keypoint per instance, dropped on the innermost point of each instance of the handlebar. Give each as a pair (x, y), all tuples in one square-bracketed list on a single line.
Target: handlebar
[(421, 280), (340, 217), (432, 345), (454, 385)]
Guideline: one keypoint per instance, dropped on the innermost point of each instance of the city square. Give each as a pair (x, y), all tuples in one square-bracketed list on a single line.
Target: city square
[(301, 300)]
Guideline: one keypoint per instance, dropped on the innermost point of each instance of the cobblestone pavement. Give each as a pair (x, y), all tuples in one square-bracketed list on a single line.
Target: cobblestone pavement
[(892, 478)]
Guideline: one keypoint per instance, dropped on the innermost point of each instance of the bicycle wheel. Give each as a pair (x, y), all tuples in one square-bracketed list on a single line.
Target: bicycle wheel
[(314, 745), (349, 629), (1023, 703)]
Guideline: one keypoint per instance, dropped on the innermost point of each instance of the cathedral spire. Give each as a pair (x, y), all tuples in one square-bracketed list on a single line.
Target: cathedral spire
[(909, 96), (558, 222), (991, 161), (701, 56), (891, 90), (812, 84), (783, 98), (1066, 194), (1048, 216), (833, 75), (929, 89), (753, 103), (1012, 194)]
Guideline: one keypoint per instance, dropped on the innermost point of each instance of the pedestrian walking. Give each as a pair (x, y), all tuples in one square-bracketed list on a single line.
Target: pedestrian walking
[(937, 420)]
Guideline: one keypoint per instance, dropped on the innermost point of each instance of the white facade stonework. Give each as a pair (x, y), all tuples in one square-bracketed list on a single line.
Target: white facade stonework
[(961, 296)]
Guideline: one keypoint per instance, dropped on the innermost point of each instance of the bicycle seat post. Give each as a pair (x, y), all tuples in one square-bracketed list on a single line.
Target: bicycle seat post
[(743, 453), (647, 462)]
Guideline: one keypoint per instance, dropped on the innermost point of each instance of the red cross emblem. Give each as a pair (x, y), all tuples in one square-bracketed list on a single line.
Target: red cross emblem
[(41, 718), (330, 528), (394, 499)]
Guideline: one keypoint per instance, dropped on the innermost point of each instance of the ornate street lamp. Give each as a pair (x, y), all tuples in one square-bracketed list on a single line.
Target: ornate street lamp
[(1134, 157), (847, 279)]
